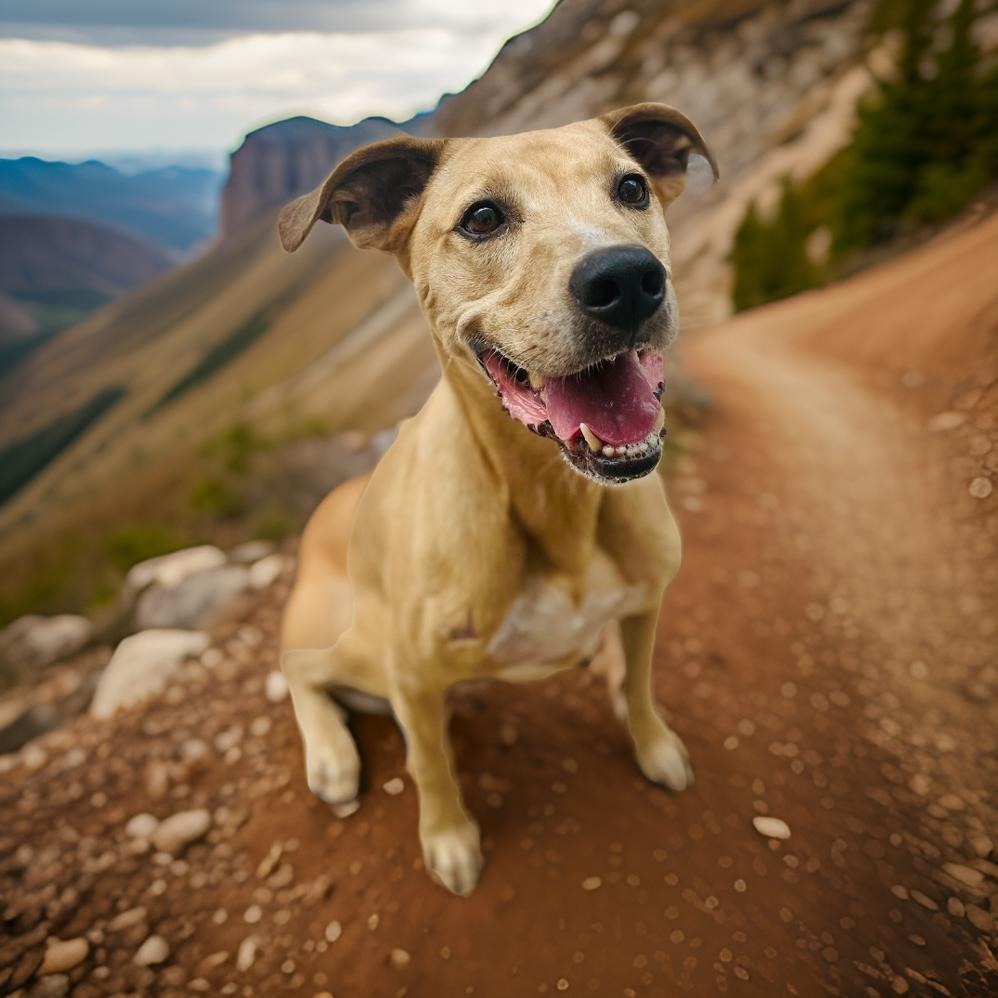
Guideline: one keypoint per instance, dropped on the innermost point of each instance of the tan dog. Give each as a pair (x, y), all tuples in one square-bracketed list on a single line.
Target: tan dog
[(480, 549)]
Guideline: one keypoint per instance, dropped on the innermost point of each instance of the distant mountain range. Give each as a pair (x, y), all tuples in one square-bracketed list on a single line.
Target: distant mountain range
[(175, 207)]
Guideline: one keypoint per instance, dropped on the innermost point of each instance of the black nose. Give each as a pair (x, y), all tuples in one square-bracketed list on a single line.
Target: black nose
[(621, 285)]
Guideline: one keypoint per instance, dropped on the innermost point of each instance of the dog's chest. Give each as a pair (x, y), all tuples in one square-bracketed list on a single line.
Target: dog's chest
[(544, 625)]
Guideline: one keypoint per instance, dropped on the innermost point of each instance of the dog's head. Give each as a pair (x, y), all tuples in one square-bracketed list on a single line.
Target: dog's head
[(541, 258)]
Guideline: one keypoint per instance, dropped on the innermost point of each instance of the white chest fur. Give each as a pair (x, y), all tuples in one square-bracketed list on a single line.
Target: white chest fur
[(544, 625)]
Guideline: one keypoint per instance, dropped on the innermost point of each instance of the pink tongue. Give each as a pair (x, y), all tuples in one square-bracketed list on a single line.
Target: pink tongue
[(615, 400)]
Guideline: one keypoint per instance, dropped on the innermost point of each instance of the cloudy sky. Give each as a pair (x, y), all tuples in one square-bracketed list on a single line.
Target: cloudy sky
[(81, 76)]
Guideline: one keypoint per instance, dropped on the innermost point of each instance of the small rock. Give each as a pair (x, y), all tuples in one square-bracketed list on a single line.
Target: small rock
[(345, 810), (592, 884), (141, 666), (333, 931), (276, 686), (175, 833), (400, 957), (141, 826), (246, 954), (965, 874), (266, 571), (394, 786), (980, 488), (253, 914), (772, 828), (127, 919), (153, 951), (63, 954), (53, 986)]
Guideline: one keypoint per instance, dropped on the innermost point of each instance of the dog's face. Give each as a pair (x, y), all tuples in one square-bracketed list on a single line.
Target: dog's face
[(543, 260)]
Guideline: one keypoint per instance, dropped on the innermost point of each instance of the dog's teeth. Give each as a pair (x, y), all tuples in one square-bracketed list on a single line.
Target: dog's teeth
[(595, 444), (634, 356), (659, 421), (609, 451), (536, 380)]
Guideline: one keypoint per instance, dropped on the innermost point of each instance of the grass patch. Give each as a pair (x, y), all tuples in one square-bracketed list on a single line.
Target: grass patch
[(215, 359), (21, 460)]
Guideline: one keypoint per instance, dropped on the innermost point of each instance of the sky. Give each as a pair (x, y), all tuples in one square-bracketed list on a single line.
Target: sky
[(79, 77)]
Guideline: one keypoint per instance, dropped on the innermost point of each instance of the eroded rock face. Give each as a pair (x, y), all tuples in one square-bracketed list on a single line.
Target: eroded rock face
[(278, 162), (141, 666)]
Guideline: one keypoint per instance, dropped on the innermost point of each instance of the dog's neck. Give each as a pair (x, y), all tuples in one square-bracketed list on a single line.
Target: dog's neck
[(555, 507)]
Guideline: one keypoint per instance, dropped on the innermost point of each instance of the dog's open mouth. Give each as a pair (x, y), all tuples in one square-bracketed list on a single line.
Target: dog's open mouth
[(608, 418)]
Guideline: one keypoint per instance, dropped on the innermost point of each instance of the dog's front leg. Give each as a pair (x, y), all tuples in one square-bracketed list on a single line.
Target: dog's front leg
[(660, 751), (448, 835)]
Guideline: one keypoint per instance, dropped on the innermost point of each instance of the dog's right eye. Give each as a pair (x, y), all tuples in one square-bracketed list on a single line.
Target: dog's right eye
[(482, 219)]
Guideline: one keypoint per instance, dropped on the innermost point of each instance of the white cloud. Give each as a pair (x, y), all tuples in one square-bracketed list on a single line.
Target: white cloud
[(64, 97)]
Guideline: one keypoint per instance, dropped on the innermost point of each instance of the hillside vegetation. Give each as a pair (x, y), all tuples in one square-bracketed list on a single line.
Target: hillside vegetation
[(925, 143)]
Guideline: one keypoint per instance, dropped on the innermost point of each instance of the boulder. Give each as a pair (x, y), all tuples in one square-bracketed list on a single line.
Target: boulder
[(196, 602), (172, 569), (33, 642), (141, 666), (250, 551)]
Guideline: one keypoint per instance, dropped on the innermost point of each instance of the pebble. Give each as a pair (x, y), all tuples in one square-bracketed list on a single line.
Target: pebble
[(53, 986), (333, 931), (125, 920), (394, 786), (178, 831), (246, 954), (400, 957), (772, 828), (253, 914), (153, 951), (276, 686), (63, 954), (141, 826), (592, 884), (980, 488), (965, 874)]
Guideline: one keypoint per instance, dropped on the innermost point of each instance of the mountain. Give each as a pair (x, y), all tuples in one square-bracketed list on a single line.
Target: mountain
[(192, 389), (280, 161), (55, 270), (175, 207)]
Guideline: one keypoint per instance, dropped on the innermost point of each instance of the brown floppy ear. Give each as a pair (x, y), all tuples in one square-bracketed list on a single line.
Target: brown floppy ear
[(374, 194), (661, 139)]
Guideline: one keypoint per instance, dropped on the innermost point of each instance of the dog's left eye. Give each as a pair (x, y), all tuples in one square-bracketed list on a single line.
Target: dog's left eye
[(482, 219), (632, 190)]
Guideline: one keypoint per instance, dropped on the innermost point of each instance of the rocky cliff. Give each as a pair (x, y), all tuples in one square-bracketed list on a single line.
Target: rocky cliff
[(277, 162)]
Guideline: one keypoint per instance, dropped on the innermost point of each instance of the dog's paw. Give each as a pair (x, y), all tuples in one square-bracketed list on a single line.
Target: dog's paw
[(665, 761), (333, 771), (453, 857)]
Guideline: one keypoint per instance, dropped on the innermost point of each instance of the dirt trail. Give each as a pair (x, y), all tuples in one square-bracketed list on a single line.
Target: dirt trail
[(828, 653)]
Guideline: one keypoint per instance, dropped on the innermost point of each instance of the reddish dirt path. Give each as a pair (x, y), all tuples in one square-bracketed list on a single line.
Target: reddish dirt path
[(828, 653)]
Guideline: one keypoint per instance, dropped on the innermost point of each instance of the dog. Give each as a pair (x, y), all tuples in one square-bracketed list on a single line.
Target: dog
[(514, 526)]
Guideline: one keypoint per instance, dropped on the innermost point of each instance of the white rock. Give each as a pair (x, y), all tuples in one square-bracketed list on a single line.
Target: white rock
[(276, 686), (198, 601), (33, 642), (246, 954), (141, 826), (178, 831), (394, 786), (250, 551), (172, 569), (154, 950), (772, 828), (333, 931), (266, 571), (63, 954), (141, 666)]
